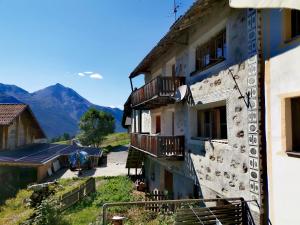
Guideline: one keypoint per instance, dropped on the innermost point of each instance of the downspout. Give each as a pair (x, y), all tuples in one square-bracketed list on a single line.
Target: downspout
[(261, 81)]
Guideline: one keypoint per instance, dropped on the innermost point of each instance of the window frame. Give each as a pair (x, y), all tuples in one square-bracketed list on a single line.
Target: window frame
[(209, 125), (287, 126), (288, 30), (206, 55)]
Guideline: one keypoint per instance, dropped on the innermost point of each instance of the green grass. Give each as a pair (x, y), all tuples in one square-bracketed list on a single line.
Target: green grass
[(15, 210), (111, 141), (114, 141), (89, 210), (67, 142), (67, 185), (112, 189)]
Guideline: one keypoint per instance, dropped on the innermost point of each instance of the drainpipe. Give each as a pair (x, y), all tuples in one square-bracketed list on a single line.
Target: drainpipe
[(261, 81)]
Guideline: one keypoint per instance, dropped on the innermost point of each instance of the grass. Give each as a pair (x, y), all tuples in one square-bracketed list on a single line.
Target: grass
[(67, 142), (113, 141), (67, 185), (112, 189), (15, 210), (88, 211)]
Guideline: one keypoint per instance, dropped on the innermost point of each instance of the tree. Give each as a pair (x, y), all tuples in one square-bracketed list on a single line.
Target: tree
[(66, 137), (94, 126)]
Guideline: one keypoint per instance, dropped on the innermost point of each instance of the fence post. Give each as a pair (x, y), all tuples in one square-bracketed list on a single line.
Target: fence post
[(104, 214)]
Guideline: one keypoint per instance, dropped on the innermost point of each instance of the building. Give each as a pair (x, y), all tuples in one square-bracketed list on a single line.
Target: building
[(219, 136), (282, 93), (25, 155), (18, 127)]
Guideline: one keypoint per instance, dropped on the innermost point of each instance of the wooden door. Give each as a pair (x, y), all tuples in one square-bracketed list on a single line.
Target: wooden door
[(169, 182), (158, 124)]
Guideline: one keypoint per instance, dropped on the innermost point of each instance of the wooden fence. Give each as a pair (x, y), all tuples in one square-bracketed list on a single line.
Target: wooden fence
[(157, 196), (70, 198)]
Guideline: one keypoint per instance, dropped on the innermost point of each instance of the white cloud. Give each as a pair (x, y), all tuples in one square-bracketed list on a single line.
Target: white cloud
[(88, 72), (118, 106), (81, 74), (96, 76)]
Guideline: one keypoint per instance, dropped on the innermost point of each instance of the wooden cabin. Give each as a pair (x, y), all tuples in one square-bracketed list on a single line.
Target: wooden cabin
[(18, 127)]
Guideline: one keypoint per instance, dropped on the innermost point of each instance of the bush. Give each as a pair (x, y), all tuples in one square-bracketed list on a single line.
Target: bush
[(47, 213)]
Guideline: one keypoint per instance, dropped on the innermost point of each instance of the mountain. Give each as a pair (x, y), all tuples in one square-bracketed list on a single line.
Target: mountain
[(57, 108)]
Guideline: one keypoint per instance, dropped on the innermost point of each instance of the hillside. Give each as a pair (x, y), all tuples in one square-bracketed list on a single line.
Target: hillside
[(57, 108)]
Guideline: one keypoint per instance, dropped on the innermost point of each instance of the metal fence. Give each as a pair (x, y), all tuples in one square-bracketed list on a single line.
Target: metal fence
[(187, 211)]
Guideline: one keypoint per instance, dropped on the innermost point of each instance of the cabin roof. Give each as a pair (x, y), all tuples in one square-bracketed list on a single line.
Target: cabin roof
[(39, 154), (9, 112)]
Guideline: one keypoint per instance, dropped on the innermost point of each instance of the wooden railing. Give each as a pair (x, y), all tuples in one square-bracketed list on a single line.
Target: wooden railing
[(159, 86), (159, 146)]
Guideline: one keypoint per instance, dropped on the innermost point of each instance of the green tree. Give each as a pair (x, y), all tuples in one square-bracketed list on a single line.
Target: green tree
[(66, 137), (94, 126)]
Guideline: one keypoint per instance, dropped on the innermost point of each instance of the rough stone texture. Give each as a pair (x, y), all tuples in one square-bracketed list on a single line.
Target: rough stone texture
[(220, 167)]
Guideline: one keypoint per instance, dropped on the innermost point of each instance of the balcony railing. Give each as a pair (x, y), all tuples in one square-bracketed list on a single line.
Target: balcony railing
[(159, 146), (157, 92)]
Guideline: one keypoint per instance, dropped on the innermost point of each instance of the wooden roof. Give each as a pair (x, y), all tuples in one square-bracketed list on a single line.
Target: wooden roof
[(198, 10), (9, 112)]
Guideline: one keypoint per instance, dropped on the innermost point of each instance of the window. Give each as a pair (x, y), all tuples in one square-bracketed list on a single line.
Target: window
[(291, 125), (212, 123), (295, 23), (158, 124), (292, 24), (295, 111), (212, 52)]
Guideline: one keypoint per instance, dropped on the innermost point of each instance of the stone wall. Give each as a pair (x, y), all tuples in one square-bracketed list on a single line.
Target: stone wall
[(221, 167)]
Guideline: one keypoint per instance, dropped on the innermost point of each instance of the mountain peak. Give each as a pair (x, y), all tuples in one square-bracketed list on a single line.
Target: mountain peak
[(56, 105), (59, 85)]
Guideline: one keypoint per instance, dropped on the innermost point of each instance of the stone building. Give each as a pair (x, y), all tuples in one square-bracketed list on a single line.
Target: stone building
[(205, 119), (18, 127)]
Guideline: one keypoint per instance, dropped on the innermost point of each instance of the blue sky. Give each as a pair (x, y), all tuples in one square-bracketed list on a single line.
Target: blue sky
[(44, 42)]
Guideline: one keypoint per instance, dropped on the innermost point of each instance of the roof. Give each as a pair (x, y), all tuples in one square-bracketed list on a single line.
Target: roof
[(258, 4), (40, 154), (198, 10), (8, 112)]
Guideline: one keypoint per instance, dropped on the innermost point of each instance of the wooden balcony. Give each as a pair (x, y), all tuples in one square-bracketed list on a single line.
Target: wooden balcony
[(159, 146), (156, 93)]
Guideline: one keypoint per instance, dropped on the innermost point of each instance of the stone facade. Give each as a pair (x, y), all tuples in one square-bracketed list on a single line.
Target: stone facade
[(215, 168)]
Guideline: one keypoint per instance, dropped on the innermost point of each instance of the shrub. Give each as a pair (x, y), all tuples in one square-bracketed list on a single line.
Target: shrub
[(47, 213)]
